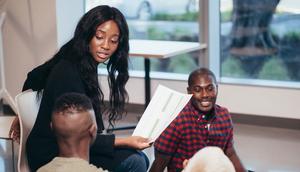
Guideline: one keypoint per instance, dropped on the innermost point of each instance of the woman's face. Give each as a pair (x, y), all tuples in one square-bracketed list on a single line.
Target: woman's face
[(105, 41)]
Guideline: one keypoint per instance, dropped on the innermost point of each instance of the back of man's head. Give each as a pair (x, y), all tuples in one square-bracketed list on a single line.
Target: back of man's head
[(209, 159), (73, 118)]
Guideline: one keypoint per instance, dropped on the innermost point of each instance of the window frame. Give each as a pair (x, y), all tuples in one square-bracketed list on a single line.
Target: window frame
[(269, 101), (214, 57)]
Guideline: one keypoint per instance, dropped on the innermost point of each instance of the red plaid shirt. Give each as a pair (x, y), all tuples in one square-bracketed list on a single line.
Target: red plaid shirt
[(190, 131)]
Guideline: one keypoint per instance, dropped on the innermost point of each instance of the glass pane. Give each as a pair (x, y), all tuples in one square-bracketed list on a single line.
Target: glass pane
[(260, 39), (160, 20)]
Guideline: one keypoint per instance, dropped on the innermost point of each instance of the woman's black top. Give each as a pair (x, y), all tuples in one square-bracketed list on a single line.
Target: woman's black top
[(41, 146)]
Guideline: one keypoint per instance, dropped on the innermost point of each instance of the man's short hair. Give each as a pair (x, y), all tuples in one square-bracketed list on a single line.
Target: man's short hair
[(72, 116), (201, 71), (75, 101)]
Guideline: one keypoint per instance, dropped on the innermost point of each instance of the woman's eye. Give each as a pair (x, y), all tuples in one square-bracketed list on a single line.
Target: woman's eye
[(114, 41), (99, 37)]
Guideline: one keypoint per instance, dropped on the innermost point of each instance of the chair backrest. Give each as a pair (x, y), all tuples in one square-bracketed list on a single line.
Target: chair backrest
[(27, 107)]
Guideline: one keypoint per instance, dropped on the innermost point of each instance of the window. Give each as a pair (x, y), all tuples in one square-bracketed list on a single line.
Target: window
[(260, 40), (160, 20)]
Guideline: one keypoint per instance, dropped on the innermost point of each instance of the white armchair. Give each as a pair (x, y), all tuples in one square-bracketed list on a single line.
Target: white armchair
[(27, 107)]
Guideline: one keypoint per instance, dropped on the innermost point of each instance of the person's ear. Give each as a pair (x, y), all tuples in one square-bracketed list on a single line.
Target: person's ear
[(93, 130), (51, 125)]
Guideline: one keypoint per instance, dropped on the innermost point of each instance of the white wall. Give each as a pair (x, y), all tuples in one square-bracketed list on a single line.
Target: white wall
[(29, 38), (251, 100), (266, 101), (30, 34), (67, 15)]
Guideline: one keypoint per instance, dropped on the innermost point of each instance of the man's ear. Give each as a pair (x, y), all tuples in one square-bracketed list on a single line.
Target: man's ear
[(93, 130), (51, 125)]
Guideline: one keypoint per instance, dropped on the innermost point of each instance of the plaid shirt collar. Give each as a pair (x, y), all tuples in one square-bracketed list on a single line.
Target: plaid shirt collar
[(208, 115)]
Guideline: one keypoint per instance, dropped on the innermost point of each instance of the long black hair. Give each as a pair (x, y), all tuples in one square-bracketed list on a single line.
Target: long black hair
[(77, 51)]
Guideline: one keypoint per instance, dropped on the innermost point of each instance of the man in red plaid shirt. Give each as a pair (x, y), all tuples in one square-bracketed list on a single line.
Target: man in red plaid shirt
[(201, 123)]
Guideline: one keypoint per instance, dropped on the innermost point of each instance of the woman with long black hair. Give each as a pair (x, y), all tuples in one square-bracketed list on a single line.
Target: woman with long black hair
[(100, 36)]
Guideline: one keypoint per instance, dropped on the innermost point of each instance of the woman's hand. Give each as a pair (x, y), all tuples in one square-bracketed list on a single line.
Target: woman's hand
[(14, 131), (135, 142)]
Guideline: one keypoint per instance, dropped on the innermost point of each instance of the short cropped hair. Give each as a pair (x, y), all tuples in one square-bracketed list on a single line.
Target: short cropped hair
[(201, 71), (75, 101)]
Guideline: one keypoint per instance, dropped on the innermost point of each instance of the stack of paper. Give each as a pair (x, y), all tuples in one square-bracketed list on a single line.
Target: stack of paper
[(163, 108)]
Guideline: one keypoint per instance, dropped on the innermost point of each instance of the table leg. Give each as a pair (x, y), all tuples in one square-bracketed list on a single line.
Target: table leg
[(147, 82)]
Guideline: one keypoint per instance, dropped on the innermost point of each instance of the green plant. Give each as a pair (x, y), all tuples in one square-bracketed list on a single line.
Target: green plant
[(274, 69), (232, 67), (191, 16), (155, 65), (291, 37), (156, 34), (181, 34), (226, 16), (182, 64)]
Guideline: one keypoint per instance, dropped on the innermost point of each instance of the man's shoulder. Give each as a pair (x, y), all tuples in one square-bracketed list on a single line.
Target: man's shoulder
[(188, 109), (221, 109), (69, 165), (223, 114), (48, 167), (187, 113)]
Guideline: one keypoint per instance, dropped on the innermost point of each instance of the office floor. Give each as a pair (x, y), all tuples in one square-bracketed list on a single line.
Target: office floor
[(263, 145)]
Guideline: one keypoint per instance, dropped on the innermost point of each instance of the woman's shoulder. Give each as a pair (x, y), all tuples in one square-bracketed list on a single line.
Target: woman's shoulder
[(64, 71), (64, 65), (65, 77)]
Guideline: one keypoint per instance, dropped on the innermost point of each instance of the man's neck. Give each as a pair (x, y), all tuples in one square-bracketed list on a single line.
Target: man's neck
[(208, 114), (78, 150)]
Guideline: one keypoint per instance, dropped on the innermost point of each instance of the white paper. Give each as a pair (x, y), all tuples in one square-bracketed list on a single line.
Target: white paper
[(163, 108)]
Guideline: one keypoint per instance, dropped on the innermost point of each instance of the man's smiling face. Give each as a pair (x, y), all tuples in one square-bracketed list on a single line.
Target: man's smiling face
[(204, 90)]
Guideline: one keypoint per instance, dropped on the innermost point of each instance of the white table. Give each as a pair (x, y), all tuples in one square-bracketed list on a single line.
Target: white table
[(156, 49), (159, 49)]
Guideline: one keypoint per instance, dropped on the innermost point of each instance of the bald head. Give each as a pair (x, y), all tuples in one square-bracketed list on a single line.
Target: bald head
[(73, 117), (209, 159)]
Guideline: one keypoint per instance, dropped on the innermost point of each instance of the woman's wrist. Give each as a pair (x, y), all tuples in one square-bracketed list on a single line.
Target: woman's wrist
[(120, 142)]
